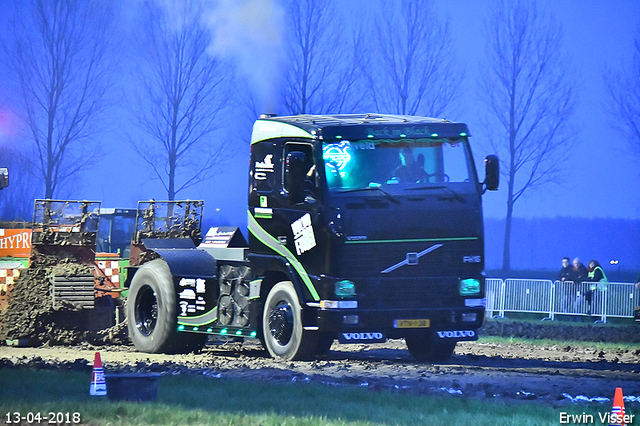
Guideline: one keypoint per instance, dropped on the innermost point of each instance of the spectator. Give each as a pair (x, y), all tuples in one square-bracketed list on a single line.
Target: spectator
[(566, 273), (596, 275), (580, 271), (580, 274), (598, 281), (565, 276)]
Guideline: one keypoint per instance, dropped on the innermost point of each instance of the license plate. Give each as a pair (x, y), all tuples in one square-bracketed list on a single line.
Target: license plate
[(412, 323)]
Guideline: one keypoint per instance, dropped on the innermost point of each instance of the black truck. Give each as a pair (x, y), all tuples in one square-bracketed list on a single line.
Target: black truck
[(361, 228)]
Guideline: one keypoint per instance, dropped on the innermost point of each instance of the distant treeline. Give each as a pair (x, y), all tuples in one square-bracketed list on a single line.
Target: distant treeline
[(541, 243)]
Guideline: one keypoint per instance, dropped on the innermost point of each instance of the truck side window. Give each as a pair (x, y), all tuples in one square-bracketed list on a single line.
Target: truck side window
[(310, 166), (264, 168)]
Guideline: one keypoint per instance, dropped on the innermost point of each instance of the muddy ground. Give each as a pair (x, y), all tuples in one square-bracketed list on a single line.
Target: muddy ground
[(554, 375)]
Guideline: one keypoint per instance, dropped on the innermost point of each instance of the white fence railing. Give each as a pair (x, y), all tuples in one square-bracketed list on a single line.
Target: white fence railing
[(550, 298)]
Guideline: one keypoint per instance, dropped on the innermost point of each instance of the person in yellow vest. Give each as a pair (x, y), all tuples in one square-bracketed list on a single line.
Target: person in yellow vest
[(598, 281)]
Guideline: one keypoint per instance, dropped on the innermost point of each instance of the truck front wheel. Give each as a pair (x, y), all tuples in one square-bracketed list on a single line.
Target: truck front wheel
[(284, 335), (151, 312), (424, 348)]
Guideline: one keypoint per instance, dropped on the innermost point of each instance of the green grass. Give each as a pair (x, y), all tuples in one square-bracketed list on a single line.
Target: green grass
[(608, 346), (194, 400)]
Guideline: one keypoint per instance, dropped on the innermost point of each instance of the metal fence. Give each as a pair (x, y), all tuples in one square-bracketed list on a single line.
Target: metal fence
[(549, 298)]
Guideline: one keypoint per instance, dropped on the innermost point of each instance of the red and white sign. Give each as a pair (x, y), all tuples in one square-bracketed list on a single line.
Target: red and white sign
[(15, 242)]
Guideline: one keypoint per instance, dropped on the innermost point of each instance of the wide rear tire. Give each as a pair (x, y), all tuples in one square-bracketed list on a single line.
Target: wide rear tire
[(283, 333), (152, 312)]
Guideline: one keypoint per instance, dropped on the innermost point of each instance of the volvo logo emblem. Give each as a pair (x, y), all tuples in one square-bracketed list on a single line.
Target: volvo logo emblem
[(411, 258), (363, 336), (456, 333)]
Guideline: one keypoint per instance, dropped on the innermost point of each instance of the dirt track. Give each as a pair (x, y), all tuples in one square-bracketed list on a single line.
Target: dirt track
[(479, 370), (553, 374)]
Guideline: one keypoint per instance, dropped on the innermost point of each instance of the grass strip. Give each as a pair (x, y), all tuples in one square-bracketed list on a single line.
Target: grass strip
[(194, 400), (608, 346)]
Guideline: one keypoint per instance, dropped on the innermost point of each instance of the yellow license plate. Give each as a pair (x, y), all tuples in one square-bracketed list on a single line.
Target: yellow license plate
[(412, 323)]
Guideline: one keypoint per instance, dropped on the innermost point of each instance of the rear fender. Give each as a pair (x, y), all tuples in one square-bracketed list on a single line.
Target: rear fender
[(189, 262)]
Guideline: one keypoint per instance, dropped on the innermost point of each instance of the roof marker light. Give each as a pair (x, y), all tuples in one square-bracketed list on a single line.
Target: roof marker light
[(209, 330), (223, 331), (338, 137), (402, 135), (195, 328), (181, 327), (434, 135), (239, 333), (253, 334), (463, 134), (370, 136)]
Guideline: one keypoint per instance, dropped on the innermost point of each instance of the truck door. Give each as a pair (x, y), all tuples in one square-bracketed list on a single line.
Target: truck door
[(294, 223), (302, 215)]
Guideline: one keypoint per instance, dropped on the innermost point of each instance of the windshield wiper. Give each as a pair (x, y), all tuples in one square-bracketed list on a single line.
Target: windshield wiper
[(455, 194), (372, 188)]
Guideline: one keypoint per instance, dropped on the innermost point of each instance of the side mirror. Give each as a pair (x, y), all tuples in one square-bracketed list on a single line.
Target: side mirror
[(295, 175), (492, 172), (4, 177)]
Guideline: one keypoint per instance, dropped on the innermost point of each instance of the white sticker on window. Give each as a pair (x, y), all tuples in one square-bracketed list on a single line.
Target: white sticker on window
[(264, 167)]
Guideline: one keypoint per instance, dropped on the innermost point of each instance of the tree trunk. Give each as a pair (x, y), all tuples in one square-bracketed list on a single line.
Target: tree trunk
[(506, 255)]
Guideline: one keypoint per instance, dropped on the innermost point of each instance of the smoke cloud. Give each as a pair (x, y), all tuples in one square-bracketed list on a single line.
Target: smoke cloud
[(250, 34)]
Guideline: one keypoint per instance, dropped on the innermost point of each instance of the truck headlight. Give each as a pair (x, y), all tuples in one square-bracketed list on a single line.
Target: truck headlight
[(469, 287), (345, 288)]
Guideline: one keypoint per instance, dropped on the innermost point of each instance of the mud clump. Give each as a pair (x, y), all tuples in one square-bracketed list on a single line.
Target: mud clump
[(30, 313), (116, 335)]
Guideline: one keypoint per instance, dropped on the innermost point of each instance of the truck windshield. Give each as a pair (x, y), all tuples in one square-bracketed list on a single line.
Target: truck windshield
[(398, 165)]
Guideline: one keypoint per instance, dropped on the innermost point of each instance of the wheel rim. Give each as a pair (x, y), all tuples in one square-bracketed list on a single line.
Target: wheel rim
[(146, 310), (281, 322)]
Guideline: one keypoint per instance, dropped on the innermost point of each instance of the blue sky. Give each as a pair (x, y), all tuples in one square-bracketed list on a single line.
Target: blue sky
[(602, 176)]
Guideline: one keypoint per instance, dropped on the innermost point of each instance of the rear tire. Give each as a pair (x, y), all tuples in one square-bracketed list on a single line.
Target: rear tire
[(283, 333), (424, 348), (152, 312)]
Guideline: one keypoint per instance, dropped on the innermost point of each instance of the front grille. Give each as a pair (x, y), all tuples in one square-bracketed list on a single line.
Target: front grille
[(358, 260), (408, 293)]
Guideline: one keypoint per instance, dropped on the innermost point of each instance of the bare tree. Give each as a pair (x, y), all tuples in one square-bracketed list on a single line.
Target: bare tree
[(322, 68), (530, 96), (58, 58), (624, 88), (179, 95), (16, 200), (415, 72)]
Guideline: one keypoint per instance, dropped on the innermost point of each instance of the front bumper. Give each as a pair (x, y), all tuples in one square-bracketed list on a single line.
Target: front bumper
[(457, 320)]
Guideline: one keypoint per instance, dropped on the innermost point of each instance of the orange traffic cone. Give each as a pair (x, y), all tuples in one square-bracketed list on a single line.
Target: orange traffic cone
[(98, 383), (617, 412)]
